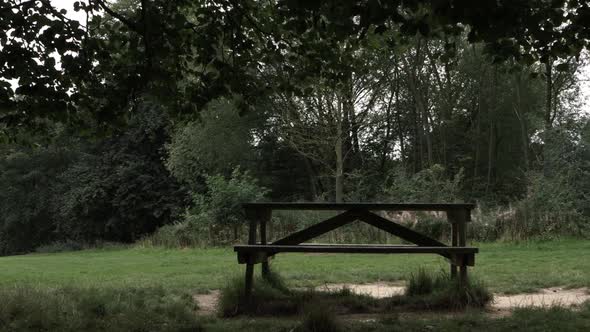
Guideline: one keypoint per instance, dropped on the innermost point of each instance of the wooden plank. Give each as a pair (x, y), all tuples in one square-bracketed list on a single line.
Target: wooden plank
[(361, 206), (318, 229), (401, 231), (359, 249)]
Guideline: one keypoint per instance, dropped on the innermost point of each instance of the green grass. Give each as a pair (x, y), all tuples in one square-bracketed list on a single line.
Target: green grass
[(96, 309), (504, 267)]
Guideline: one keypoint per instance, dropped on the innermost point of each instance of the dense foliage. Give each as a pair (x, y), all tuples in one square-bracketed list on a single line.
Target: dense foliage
[(159, 113)]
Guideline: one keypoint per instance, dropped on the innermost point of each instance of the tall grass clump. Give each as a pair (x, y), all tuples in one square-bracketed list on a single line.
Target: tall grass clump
[(420, 283), (72, 309), (269, 297), (318, 318), (440, 291)]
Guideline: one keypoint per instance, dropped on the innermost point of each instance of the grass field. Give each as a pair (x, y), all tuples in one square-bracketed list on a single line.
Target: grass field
[(141, 289), (504, 267)]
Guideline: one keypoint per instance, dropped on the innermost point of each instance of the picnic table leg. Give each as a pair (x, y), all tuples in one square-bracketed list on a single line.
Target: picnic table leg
[(454, 235), (462, 243), (251, 216), (264, 217), (458, 220)]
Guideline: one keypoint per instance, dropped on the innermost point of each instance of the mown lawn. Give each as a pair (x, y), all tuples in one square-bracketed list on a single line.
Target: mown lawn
[(505, 267)]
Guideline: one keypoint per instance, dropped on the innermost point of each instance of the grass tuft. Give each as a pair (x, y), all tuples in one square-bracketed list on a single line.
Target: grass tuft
[(269, 297), (440, 291), (420, 283), (318, 317)]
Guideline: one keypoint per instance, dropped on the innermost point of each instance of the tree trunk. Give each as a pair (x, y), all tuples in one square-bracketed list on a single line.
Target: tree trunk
[(548, 112), (548, 94), (339, 176), (523, 128), (338, 150), (311, 174), (491, 153), (421, 108)]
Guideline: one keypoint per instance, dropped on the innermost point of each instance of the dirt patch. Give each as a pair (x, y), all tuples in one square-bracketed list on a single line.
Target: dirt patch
[(377, 290), (207, 303), (555, 296), (502, 305)]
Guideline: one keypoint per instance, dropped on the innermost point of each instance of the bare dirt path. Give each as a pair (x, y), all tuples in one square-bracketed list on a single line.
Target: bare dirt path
[(207, 303), (555, 296)]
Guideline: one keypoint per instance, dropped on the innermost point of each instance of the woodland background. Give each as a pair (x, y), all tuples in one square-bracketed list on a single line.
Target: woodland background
[(154, 120)]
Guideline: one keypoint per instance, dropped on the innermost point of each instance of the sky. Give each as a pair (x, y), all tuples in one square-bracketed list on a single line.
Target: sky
[(584, 74)]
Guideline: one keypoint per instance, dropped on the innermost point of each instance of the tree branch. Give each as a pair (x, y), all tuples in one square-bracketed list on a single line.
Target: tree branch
[(132, 25)]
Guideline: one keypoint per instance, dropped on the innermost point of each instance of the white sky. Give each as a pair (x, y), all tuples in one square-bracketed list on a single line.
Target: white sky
[(584, 73)]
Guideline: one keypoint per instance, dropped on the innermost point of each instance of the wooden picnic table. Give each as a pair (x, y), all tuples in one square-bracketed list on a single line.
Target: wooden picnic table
[(259, 214)]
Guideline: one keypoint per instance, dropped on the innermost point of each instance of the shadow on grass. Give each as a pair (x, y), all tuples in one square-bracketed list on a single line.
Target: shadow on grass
[(271, 297)]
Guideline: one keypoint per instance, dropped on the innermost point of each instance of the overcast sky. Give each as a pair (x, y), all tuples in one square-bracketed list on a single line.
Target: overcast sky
[(584, 75)]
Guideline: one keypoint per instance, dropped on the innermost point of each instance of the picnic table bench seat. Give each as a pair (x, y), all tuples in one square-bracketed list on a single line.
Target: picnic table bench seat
[(258, 253)]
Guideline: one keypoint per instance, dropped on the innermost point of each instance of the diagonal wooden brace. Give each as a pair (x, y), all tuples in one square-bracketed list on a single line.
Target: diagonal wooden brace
[(400, 231), (318, 229)]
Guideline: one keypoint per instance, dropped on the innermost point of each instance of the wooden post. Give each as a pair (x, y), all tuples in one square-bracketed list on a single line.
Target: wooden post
[(264, 217), (251, 215), (459, 220), (462, 242), (454, 235)]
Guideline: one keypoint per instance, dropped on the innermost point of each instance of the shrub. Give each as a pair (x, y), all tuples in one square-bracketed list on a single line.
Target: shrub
[(217, 143), (120, 190), (220, 208), (29, 179), (429, 185), (177, 235), (550, 208)]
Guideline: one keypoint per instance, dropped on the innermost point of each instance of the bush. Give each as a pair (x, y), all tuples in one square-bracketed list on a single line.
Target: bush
[(219, 209), (29, 179), (429, 185), (551, 208), (217, 143), (132, 309), (120, 189)]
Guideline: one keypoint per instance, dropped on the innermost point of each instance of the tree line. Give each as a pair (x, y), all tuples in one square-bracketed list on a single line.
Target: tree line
[(155, 113)]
